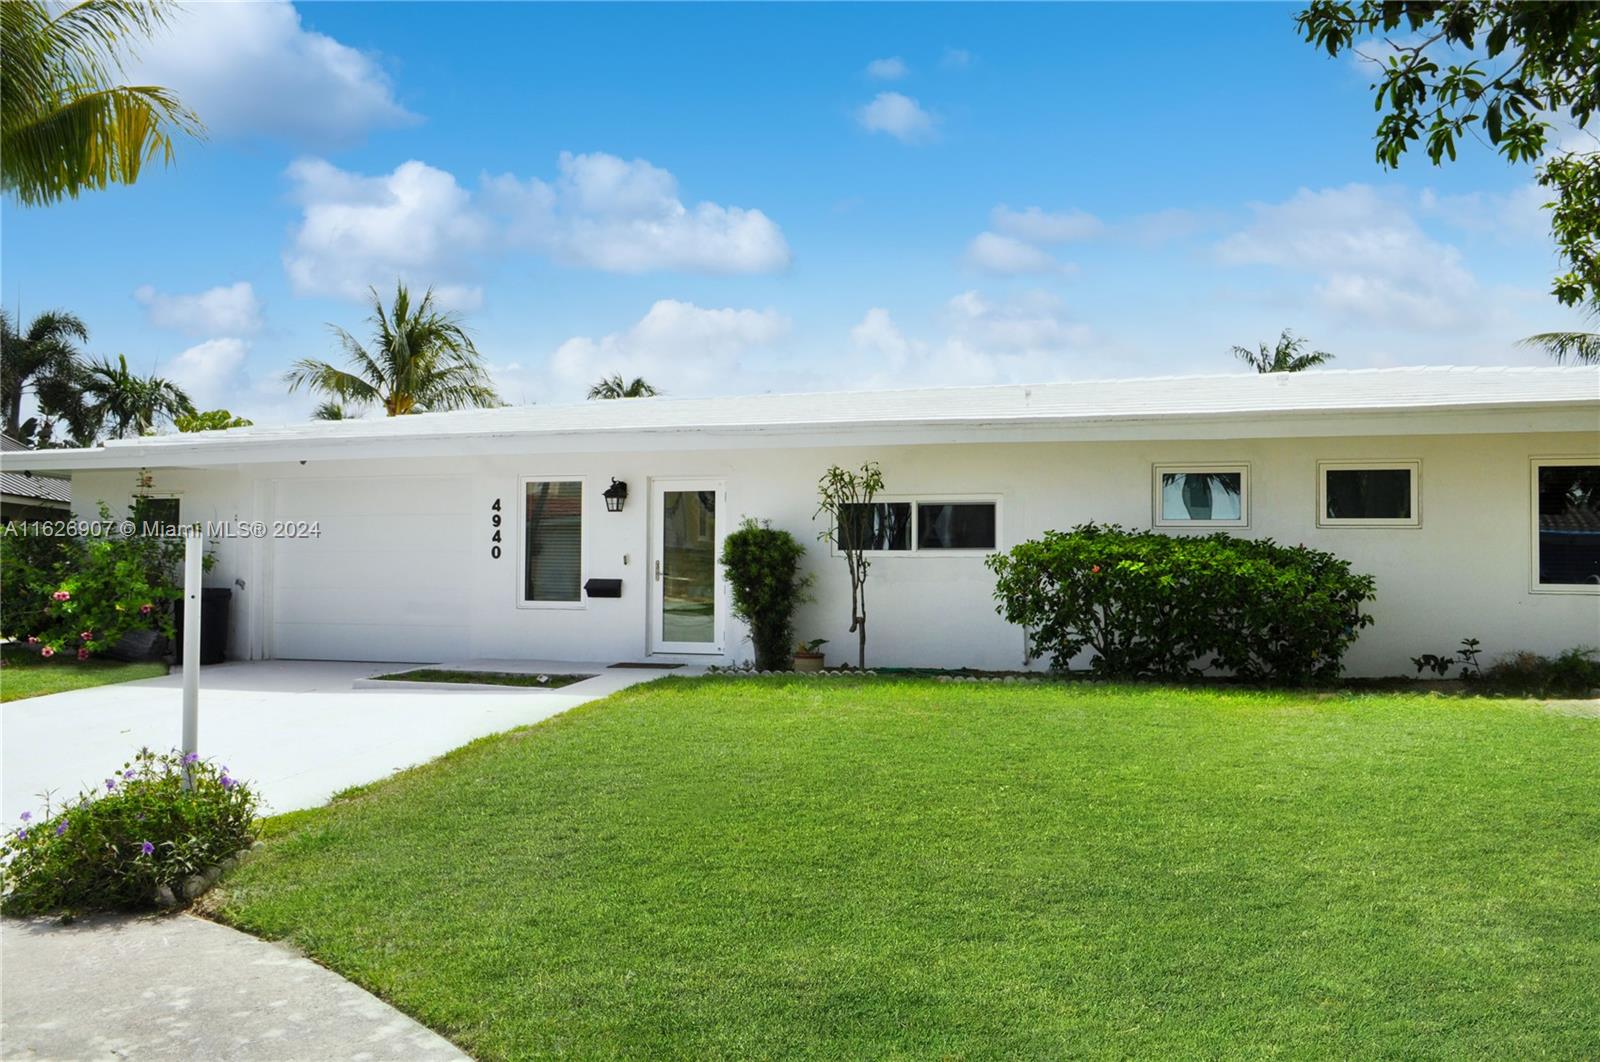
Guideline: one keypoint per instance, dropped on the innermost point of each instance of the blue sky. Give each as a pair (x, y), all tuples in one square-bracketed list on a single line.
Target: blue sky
[(735, 199)]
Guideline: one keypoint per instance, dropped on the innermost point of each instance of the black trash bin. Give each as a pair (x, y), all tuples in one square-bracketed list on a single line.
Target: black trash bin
[(214, 602)]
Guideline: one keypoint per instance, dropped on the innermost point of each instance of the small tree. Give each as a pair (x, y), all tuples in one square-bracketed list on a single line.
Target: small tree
[(762, 566), (846, 497)]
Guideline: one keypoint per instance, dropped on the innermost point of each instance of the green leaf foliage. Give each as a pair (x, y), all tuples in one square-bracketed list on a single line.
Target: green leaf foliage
[(1159, 606), (209, 420), (1525, 67), (76, 596), (114, 845), (762, 566)]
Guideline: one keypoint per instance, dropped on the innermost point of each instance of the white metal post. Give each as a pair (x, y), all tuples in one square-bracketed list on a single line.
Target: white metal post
[(193, 552)]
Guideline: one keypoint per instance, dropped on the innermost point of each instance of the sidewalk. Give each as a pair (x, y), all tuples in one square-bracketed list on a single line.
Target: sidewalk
[(179, 987)]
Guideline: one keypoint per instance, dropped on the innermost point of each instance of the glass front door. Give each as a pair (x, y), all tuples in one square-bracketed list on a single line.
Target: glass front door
[(686, 614)]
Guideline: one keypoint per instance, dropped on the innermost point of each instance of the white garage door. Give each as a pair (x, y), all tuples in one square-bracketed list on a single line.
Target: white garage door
[(387, 579)]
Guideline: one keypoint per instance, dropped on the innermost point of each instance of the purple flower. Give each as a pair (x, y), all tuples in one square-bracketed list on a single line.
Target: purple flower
[(228, 783), (128, 773), (62, 828), (22, 835), (191, 757), (26, 815), (111, 783), (147, 848)]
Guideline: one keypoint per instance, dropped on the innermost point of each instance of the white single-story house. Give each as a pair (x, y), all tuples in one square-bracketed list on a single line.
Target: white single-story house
[(1471, 494)]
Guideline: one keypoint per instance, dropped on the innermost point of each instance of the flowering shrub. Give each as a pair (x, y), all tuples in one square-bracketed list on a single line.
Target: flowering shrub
[(117, 843), (1153, 605), (78, 595)]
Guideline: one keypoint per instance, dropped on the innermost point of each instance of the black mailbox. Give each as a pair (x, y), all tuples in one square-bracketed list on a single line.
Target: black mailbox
[(603, 587)]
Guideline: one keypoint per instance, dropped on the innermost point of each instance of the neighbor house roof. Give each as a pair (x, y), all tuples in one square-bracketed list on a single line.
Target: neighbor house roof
[(1163, 407), (47, 490)]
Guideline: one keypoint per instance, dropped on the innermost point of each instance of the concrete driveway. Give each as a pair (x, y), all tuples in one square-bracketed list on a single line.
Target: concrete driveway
[(299, 731)]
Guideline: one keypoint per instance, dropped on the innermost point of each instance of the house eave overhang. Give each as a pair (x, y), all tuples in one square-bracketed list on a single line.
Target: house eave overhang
[(207, 450)]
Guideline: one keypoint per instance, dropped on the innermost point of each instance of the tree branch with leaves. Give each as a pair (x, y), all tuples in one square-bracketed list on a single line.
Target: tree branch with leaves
[(1513, 70)]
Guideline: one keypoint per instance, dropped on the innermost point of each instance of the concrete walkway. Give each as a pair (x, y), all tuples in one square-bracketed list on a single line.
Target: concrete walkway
[(179, 987), (298, 730)]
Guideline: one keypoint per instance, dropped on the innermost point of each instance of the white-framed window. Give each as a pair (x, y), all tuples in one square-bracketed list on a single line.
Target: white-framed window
[(1566, 525), (551, 543), (931, 525), (1369, 494), (1200, 495)]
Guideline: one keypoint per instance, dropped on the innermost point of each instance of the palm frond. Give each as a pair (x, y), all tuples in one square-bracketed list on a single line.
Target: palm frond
[(1580, 347), (64, 125)]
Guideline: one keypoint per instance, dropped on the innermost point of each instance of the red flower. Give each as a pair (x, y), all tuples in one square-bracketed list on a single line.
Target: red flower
[(61, 595), (144, 610), (47, 652), (1095, 568), (86, 635), (83, 654), (33, 639)]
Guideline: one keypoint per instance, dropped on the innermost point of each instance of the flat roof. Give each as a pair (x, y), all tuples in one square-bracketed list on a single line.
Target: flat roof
[(1154, 402)]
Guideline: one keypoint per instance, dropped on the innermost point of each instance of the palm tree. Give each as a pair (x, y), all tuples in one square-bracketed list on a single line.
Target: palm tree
[(1582, 347), (422, 359), (46, 360), (613, 387), (130, 404), (65, 124), (1286, 356), (330, 411)]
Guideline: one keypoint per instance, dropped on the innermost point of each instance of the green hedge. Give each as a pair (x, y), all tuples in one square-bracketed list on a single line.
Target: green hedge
[(1163, 606)]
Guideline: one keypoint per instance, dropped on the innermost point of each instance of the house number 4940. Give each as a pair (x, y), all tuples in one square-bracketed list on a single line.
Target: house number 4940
[(494, 523)]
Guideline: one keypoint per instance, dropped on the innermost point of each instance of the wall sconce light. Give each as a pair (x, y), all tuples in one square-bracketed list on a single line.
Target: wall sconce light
[(615, 495)]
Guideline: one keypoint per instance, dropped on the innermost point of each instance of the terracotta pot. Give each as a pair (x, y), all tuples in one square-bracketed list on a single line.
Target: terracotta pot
[(808, 661)]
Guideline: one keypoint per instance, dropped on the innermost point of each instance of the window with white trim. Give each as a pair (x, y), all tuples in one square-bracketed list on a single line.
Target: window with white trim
[(1566, 525), (1369, 494), (917, 525), (1200, 495), (552, 541)]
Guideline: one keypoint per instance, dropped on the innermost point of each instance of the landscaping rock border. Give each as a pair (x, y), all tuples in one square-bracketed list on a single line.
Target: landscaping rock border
[(197, 884)]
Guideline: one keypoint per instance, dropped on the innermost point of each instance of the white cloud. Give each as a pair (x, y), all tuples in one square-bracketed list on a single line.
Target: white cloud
[(1517, 216), (419, 224), (891, 69), (1025, 339), (252, 69), (225, 310), (415, 224), (1045, 227), (211, 373), (678, 346), (1372, 261), (956, 59), (604, 212), (898, 115), (1008, 256)]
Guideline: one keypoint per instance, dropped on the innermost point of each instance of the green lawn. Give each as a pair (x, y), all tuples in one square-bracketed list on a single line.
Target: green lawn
[(851, 868), (26, 674), (485, 678)]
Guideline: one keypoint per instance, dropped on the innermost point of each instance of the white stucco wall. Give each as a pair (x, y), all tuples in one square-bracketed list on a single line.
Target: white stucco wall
[(1465, 572)]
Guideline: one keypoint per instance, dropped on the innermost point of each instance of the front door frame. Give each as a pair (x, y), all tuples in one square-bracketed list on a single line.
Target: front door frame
[(658, 645)]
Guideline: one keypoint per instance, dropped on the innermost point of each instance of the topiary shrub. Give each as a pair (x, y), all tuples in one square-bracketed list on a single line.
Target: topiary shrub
[(762, 566), (114, 848), (1160, 606)]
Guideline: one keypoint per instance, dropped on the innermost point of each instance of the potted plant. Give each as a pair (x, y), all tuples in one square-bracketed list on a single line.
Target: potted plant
[(806, 656)]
